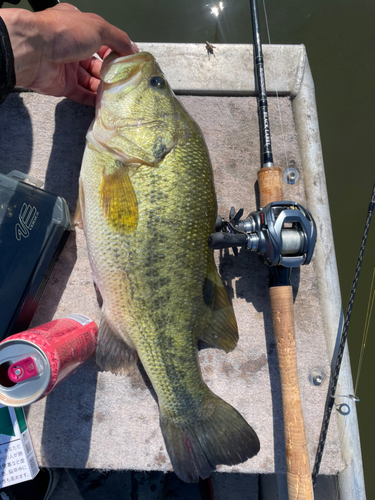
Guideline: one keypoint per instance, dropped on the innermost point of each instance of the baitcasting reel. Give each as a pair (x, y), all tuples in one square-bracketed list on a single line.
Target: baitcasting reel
[(283, 233)]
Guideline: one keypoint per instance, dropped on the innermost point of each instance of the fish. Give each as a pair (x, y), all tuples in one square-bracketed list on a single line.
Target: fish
[(148, 205)]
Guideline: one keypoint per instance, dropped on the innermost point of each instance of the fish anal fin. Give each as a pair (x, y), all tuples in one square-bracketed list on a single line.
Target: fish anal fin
[(118, 199), (220, 330), (113, 353)]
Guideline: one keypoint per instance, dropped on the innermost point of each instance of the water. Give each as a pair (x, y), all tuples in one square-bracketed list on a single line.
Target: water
[(340, 42)]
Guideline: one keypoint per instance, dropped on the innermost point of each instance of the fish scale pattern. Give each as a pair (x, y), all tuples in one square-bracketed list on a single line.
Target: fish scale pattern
[(157, 277)]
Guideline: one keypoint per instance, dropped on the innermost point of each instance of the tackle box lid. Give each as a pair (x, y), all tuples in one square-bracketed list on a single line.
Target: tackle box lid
[(34, 226)]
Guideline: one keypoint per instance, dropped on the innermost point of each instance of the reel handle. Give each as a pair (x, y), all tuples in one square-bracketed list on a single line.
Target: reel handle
[(221, 240)]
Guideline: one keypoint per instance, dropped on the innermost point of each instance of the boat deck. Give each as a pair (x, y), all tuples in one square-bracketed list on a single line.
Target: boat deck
[(99, 420)]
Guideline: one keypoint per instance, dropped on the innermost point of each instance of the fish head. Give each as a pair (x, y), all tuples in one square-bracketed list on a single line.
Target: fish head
[(138, 117)]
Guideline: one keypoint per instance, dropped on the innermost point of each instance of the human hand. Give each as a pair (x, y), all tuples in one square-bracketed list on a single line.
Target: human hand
[(53, 50)]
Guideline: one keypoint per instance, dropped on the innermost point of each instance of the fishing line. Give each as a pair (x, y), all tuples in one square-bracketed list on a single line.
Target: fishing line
[(335, 375), (370, 307), (341, 436), (276, 90), (334, 379)]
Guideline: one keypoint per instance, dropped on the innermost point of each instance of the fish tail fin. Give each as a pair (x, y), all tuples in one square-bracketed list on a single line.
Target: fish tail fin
[(220, 436)]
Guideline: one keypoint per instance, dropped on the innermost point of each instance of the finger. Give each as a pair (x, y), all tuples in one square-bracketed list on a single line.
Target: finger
[(112, 36), (103, 51), (82, 96), (92, 66), (87, 80), (117, 40)]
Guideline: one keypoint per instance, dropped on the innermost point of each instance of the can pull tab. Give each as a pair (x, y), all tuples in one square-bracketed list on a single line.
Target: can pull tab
[(23, 370)]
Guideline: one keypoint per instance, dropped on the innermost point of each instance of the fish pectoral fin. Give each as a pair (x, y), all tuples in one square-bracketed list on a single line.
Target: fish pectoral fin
[(119, 202), (220, 435), (113, 353), (220, 330)]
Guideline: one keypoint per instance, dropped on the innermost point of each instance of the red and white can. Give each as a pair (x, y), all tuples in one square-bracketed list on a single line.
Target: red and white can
[(33, 362)]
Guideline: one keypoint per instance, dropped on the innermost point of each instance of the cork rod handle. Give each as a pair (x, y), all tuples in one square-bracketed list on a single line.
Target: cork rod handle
[(270, 185), (297, 459)]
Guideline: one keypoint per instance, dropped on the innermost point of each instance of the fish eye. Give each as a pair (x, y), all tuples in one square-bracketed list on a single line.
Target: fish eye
[(157, 81)]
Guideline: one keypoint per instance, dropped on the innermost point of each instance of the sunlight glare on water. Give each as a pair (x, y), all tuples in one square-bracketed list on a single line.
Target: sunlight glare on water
[(216, 9)]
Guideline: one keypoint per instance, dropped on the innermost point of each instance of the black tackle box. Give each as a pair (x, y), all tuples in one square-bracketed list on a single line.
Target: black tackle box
[(34, 226)]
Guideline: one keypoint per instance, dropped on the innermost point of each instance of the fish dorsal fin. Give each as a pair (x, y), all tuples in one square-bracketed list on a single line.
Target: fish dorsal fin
[(113, 354), (221, 328), (119, 202)]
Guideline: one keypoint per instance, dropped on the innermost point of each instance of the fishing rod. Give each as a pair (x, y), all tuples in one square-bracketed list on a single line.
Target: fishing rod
[(283, 234), (334, 379)]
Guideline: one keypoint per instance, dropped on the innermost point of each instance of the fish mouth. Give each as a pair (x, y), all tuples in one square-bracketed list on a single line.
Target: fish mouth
[(116, 69)]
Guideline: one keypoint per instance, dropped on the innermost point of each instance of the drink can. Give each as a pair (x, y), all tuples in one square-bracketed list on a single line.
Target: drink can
[(33, 362)]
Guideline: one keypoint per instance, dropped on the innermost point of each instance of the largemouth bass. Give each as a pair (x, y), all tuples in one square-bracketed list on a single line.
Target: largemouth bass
[(148, 205)]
